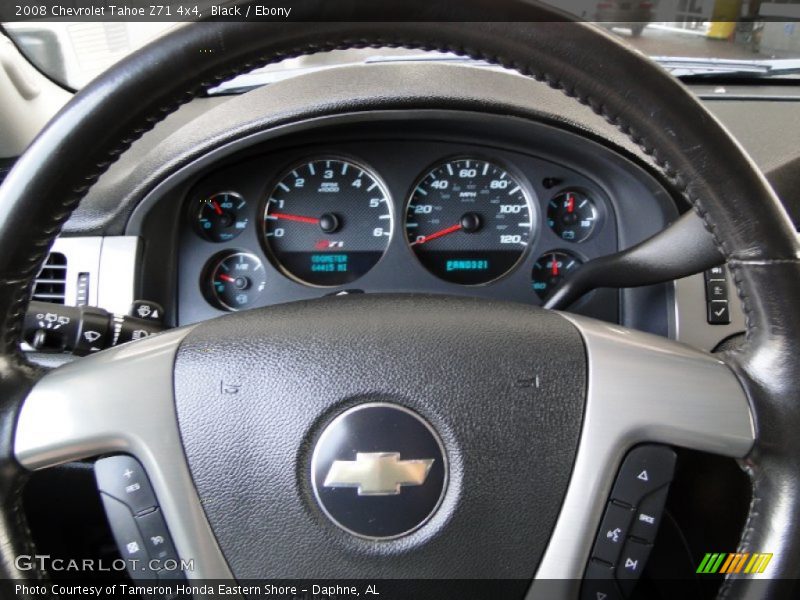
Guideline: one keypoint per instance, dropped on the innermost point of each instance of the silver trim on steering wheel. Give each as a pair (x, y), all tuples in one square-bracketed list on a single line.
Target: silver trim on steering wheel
[(641, 388), (122, 401)]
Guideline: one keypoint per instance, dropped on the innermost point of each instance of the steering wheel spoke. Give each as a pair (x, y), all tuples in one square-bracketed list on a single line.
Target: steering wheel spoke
[(641, 388), (121, 401)]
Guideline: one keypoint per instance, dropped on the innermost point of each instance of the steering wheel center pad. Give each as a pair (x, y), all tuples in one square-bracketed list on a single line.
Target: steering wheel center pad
[(505, 389)]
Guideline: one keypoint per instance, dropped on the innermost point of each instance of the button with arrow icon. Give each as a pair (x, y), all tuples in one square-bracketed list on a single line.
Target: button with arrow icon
[(631, 564), (644, 470), (599, 582)]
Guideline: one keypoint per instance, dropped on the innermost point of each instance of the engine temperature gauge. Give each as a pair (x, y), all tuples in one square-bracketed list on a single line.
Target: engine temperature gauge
[(234, 281), (550, 269)]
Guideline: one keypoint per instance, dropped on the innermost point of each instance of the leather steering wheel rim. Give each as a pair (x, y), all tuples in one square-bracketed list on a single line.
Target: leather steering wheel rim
[(692, 149)]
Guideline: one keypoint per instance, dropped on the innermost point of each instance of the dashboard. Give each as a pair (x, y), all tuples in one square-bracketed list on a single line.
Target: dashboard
[(381, 205), (150, 227), (421, 200)]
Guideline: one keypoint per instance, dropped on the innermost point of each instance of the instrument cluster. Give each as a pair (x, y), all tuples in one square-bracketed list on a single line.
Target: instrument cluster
[(324, 223)]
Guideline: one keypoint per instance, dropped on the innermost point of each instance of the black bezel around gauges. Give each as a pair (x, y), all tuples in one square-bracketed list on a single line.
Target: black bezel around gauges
[(327, 220), (470, 220), (397, 159)]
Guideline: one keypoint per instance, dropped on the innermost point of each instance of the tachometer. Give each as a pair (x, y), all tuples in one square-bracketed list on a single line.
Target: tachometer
[(469, 221), (327, 222)]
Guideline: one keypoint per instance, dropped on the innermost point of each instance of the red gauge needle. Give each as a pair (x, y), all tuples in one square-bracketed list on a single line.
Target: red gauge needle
[(438, 234), (555, 266), (298, 218), (227, 278), (217, 207), (570, 203)]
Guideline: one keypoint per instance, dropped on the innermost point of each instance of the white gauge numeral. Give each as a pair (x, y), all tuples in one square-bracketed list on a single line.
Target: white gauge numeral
[(510, 239)]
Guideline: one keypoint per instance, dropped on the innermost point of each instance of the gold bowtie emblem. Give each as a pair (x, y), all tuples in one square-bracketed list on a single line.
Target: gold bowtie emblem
[(378, 473)]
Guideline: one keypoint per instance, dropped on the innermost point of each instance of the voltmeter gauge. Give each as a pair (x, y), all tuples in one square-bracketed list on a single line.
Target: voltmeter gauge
[(572, 215), (550, 269), (221, 217), (234, 281)]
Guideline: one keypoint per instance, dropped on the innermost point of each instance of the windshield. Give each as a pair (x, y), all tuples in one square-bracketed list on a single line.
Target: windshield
[(763, 42)]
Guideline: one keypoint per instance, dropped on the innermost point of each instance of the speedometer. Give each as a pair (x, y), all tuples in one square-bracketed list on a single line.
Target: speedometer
[(327, 222), (469, 221)]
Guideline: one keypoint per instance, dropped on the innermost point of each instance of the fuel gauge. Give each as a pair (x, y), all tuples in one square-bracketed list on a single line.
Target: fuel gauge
[(234, 281)]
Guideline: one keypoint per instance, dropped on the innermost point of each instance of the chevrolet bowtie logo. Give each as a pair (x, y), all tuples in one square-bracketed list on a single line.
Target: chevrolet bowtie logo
[(377, 473)]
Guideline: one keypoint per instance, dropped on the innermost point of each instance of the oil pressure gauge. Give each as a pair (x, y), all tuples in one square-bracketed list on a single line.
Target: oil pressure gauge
[(221, 217)]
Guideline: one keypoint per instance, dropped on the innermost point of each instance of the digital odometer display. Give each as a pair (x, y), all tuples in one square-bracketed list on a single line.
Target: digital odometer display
[(327, 222), (469, 221)]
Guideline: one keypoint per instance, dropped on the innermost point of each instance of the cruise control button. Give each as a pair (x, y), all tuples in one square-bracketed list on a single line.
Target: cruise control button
[(156, 536), (648, 516), (129, 541), (631, 564), (599, 582), (124, 478), (612, 534), (644, 470)]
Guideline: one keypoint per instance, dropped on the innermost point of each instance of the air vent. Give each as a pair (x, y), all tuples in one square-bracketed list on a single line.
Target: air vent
[(50, 284)]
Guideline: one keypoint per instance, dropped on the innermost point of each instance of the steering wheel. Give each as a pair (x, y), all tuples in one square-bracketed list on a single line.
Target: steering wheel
[(532, 410)]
